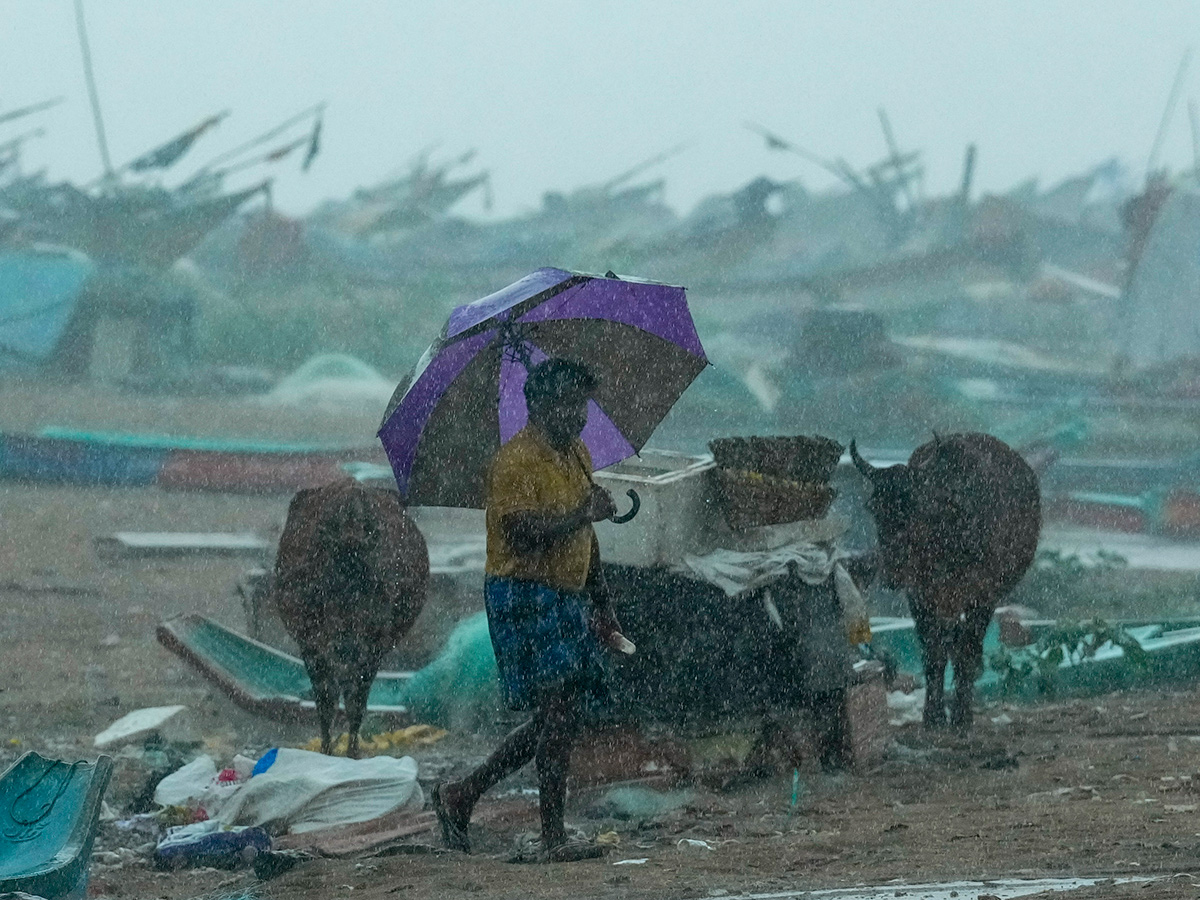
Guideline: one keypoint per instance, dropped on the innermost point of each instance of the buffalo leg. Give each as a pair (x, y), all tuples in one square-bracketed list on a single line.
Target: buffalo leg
[(832, 729), (931, 637), (967, 651), (325, 694), (357, 692)]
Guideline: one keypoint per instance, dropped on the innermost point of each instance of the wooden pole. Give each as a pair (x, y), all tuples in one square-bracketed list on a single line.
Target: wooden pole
[(1172, 99), (279, 129), (894, 154), (968, 175), (1194, 116), (89, 75)]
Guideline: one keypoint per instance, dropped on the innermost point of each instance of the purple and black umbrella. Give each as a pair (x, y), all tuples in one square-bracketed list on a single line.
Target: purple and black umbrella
[(465, 398)]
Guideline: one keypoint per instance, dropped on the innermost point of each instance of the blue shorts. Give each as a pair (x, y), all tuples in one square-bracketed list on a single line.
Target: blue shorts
[(543, 640)]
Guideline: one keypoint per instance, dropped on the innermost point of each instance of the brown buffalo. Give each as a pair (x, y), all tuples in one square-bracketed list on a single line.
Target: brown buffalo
[(350, 579), (958, 526)]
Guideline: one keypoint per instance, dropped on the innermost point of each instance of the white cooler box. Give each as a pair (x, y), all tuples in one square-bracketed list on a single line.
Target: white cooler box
[(678, 515)]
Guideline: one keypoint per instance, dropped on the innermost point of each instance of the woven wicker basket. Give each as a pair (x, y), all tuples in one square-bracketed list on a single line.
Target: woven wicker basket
[(808, 460), (750, 500)]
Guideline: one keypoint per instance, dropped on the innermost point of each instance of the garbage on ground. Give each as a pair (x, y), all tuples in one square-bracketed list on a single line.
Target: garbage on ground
[(637, 803), (391, 830), (147, 825), (632, 862), (122, 856), (273, 863), (210, 844), (401, 739), (187, 783), (693, 844), (140, 724), (906, 709), (201, 788), (141, 544), (297, 791)]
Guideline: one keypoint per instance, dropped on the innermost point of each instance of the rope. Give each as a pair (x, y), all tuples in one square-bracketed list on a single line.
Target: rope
[(47, 807)]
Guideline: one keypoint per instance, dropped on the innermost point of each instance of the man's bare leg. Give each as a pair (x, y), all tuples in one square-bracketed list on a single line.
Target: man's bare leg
[(519, 747), (553, 761)]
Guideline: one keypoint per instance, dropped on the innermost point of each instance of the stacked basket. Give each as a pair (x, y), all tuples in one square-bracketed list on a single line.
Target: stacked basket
[(773, 480)]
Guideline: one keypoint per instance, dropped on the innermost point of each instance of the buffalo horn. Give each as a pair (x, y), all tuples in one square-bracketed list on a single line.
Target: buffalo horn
[(861, 464)]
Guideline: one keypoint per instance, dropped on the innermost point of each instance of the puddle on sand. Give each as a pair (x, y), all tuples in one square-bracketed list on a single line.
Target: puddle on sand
[(1003, 889)]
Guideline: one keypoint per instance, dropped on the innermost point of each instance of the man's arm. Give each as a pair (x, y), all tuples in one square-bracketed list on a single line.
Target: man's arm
[(596, 586), (605, 624), (532, 531)]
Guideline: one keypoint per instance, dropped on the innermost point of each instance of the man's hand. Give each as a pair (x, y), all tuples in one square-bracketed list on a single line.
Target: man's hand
[(608, 630), (600, 505)]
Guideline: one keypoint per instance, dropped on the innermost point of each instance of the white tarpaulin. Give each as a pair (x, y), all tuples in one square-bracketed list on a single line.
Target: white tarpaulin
[(1161, 319), (304, 791), (735, 571)]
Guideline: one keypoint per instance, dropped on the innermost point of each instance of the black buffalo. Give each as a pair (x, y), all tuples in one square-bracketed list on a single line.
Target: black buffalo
[(958, 526)]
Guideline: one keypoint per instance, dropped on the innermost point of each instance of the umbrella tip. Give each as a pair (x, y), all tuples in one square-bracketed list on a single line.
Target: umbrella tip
[(610, 274)]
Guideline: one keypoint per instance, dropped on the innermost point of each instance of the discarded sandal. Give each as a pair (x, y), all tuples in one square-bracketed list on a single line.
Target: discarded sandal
[(274, 863), (454, 836), (574, 849)]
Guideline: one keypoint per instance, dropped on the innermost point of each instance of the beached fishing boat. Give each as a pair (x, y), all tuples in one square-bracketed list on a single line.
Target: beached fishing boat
[(271, 683), (1171, 654), (138, 460), (49, 813)]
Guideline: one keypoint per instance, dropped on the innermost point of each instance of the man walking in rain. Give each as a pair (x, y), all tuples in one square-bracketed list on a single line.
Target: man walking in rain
[(547, 604)]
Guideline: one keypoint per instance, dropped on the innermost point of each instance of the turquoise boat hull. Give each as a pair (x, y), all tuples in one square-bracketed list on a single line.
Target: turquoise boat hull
[(49, 814)]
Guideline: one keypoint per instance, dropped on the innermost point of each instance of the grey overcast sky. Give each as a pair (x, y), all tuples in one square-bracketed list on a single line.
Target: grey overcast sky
[(554, 95)]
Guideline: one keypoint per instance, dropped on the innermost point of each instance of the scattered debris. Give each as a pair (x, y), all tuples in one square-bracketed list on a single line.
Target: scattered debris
[(142, 544), (905, 709), (637, 803), (210, 844), (273, 863), (165, 721), (386, 741)]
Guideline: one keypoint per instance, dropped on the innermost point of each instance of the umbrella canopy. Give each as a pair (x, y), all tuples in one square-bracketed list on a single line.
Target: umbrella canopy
[(466, 396)]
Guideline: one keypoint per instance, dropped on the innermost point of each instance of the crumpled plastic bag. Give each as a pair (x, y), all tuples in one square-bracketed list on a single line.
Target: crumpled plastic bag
[(854, 606)]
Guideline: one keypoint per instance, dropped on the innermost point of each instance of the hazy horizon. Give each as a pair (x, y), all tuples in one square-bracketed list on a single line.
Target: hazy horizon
[(554, 96)]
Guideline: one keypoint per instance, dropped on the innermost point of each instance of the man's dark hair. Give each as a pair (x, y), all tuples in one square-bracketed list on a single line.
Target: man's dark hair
[(552, 378)]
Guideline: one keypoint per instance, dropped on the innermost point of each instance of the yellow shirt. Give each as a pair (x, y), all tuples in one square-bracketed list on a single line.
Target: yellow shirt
[(527, 474)]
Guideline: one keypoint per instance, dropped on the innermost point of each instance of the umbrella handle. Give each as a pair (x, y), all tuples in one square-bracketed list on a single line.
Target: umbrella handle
[(633, 511)]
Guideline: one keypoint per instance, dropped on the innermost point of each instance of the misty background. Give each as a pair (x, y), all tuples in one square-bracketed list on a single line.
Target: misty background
[(556, 95)]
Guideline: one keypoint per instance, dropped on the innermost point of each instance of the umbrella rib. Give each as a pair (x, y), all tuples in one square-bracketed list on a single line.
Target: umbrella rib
[(519, 309)]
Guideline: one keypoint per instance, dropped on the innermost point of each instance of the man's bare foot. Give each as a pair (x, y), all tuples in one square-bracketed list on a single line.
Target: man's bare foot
[(452, 817)]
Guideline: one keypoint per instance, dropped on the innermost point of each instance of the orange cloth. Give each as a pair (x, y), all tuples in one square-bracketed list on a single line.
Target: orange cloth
[(528, 475)]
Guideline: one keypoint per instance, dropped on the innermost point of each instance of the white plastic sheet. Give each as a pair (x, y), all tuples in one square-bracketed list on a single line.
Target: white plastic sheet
[(187, 784), (305, 791)]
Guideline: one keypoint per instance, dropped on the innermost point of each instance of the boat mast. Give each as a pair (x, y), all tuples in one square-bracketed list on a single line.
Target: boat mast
[(101, 140)]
